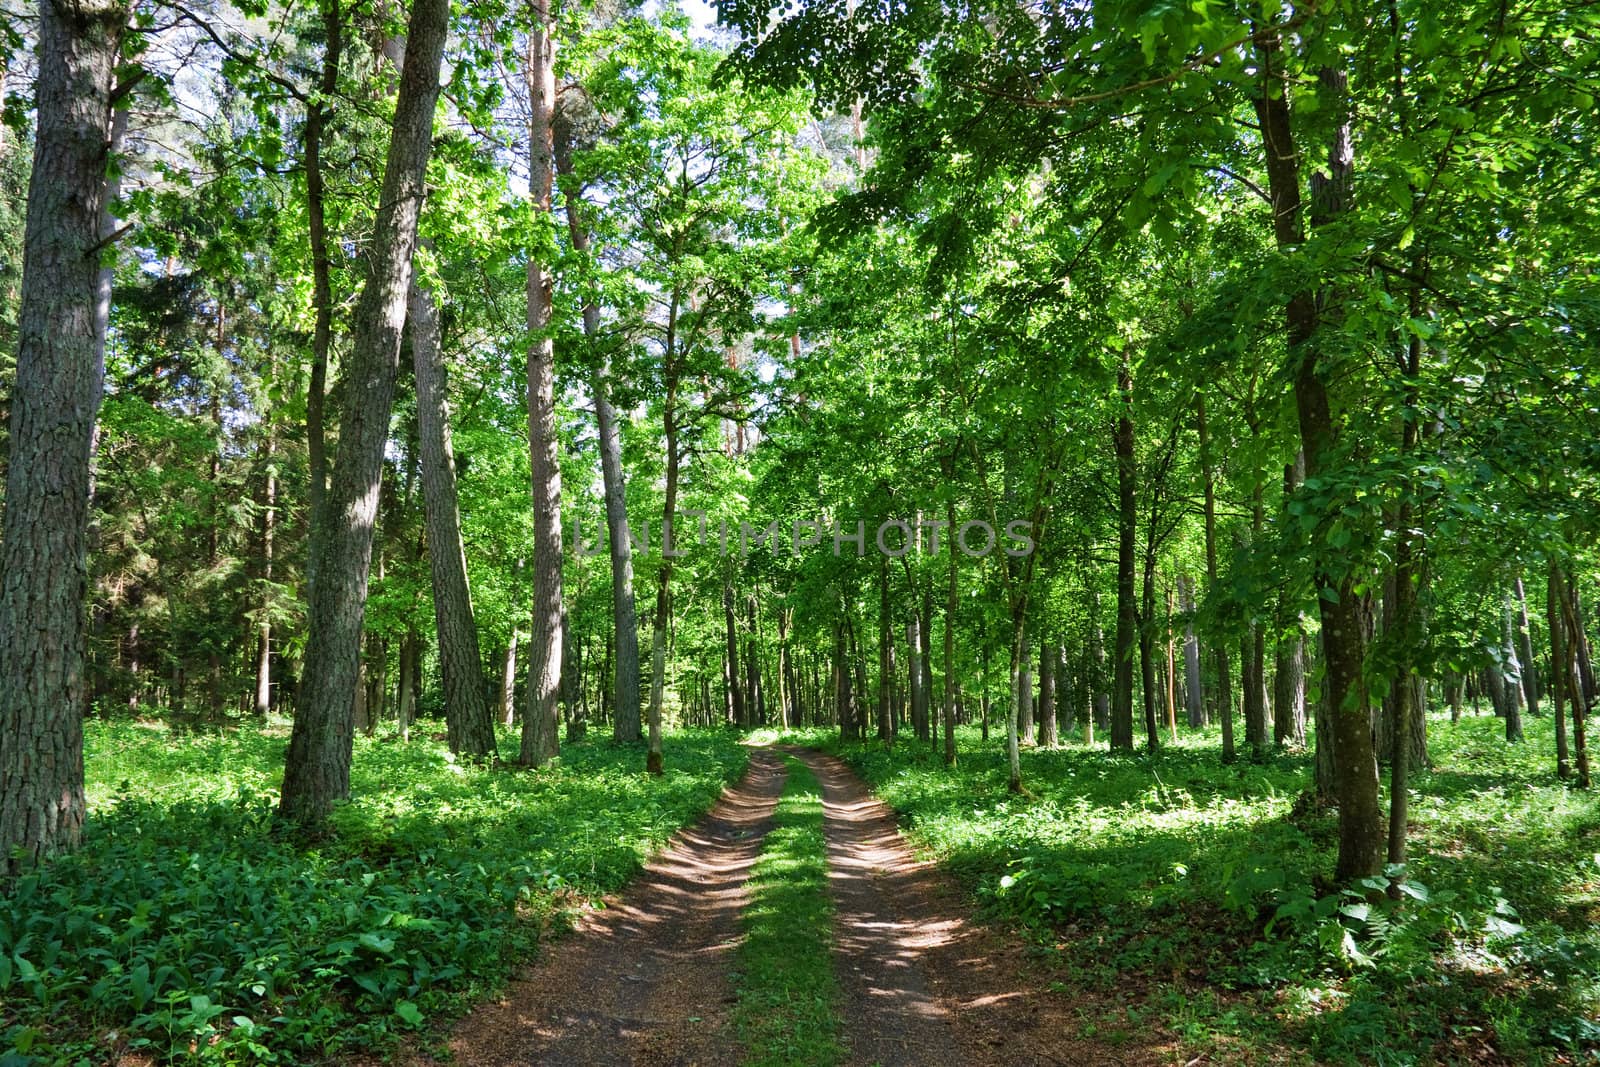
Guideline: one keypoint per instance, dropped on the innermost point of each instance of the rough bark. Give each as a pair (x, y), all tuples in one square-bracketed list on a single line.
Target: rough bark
[(469, 721), (539, 741), (317, 772), (321, 262), (54, 402)]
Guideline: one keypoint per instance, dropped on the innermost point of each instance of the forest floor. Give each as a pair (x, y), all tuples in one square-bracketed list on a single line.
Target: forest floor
[(652, 978)]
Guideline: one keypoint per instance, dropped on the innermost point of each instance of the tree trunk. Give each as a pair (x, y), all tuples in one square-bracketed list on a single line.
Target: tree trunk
[(269, 518), (1025, 694), (885, 652), (321, 263), (1530, 674), (951, 604), (1127, 520), (1558, 666), (1193, 691), (505, 706), (625, 724), (317, 772), (1510, 682), (736, 704), (1289, 675), (1253, 654), (1224, 685), (919, 696), (1047, 695), (539, 741), (55, 398), (469, 721), (1361, 825)]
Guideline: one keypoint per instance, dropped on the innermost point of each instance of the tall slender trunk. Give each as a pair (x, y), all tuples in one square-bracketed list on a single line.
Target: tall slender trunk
[(1253, 653), (1558, 666), (663, 615), (885, 652), (625, 722), (54, 402), (317, 771), (321, 261), (1127, 528), (1025, 694), (1530, 673), (269, 518), (1361, 837), (1289, 677), (919, 693), (736, 703), (1224, 685), (1407, 576), (1577, 685), (1148, 684), (1510, 683), (469, 721), (506, 710), (950, 606), (539, 742), (1047, 694), (1193, 690)]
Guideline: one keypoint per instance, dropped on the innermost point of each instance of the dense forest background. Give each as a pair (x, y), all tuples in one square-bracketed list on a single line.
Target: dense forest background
[(514, 377)]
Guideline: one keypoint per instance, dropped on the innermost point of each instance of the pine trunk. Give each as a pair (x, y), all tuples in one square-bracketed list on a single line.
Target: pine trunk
[(539, 742), (54, 402)]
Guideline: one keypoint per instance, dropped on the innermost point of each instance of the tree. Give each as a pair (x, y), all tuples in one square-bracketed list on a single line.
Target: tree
[(317, 770), (60, 349), (468, 717)]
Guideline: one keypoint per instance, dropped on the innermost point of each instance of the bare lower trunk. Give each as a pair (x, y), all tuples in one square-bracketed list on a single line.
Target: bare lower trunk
[(55, 399), (540, 724), (469, 722), (1127, 527)]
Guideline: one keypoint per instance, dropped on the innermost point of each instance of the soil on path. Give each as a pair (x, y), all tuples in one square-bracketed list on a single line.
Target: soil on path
[(921, 986), (644, 981), (647, 981)]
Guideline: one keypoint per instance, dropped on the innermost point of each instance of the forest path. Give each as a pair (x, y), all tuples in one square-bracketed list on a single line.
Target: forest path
[(644, 981), (647, 981), (919, 983)]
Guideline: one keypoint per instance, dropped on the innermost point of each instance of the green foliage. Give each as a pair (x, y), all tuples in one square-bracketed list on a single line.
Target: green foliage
[(1213, 885), (786, 981), (190, 927)]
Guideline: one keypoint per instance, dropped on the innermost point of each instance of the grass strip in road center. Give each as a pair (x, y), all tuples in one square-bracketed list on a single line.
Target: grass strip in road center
[(787, 990)]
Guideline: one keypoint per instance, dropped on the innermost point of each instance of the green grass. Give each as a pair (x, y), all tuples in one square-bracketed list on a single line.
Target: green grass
[(786, 986), (1201, 893), (189, 927)]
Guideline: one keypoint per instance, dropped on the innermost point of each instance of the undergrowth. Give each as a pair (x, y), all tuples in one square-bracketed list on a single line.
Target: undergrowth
[(787, 991), (1205, 891), (188, 927)]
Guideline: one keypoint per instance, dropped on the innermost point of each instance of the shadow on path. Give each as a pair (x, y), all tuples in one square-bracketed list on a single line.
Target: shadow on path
[(644, 981), (920, 985)]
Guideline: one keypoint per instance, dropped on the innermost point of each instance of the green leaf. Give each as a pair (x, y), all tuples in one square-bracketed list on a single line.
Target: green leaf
[(409, 1013)]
